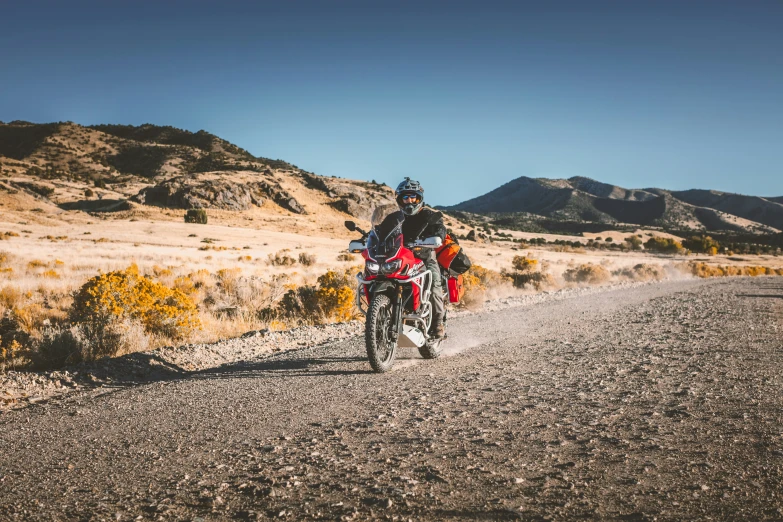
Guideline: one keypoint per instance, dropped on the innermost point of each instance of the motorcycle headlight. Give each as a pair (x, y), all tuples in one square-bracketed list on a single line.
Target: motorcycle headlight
[(372, 267), (391, 266)]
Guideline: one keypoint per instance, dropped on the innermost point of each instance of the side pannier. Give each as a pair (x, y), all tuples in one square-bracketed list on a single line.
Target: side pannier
[(451, 257)]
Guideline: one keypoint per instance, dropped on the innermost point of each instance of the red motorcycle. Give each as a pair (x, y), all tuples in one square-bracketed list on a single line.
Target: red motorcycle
[(394, 294)]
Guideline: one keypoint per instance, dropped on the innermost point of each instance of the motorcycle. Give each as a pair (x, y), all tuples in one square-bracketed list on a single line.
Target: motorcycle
[(394, 294)]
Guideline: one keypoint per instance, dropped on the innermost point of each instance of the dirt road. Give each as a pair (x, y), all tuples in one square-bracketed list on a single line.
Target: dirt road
[(659, 402)]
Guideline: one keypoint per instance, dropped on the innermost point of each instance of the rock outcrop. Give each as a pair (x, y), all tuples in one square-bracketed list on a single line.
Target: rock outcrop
[(355, 198), (220, 193)]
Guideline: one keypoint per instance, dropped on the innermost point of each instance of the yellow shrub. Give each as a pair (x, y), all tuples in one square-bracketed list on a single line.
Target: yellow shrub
[(524, 263), (277, 325), (185, 285), (486, 278), (471, 282), (52, 274), (336, 296), (229, 278), (587, 273), (10, 296), (10, 352), (477, 282), (703, 270), (642, 272), (331, 300), (201, 278), (126, 295), (29, 318), (159, 271), (58, 262), (245, 258), (6, 270), (37, 263)]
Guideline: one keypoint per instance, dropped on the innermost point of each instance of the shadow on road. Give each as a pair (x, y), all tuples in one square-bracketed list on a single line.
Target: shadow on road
[(299, 367), (768, 296), (145, 368)]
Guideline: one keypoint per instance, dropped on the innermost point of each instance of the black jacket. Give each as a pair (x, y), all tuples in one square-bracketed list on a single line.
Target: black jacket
[(427, 223)]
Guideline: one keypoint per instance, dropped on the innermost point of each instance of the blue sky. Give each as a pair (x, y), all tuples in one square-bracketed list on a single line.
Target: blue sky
[(463, 96)]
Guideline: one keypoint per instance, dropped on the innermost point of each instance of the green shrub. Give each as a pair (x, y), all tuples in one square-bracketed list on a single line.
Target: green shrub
[(144, 161), (664, 245), (634, 243), (702, 245), (281, 258), (196, 215), (59, 346), (307, 259)]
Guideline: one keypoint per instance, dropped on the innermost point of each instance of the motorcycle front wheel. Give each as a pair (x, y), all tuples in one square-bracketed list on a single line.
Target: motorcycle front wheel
[(378, 334)]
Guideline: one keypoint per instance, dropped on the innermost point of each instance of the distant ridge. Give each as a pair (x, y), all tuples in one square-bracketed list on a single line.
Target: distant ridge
[(583, 199)]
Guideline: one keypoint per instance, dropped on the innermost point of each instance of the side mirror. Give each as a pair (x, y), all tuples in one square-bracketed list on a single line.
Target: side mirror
[(350, 225)]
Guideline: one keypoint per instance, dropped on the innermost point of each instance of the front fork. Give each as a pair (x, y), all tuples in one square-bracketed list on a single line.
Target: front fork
[(397, 312)]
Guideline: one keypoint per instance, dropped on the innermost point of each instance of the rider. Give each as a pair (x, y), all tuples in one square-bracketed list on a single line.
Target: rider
[(420, 222)]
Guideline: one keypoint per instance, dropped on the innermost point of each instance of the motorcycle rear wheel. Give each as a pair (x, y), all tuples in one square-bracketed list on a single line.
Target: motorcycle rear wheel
[(378, 330)]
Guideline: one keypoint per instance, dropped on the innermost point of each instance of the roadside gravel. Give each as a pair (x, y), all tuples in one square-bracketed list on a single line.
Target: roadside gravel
[(19, 389), (651, 402)]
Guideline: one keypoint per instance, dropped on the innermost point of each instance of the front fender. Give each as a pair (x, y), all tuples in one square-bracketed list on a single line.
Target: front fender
[(382, 287)]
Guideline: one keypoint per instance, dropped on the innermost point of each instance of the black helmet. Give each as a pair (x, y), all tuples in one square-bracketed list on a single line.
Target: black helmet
[(409, 187)]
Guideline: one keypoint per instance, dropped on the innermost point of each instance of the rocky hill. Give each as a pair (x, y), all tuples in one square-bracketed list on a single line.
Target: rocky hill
[(112, 168), (580, 199)]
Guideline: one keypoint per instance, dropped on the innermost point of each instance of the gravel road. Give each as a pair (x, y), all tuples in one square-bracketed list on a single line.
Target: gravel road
[(654, 402)]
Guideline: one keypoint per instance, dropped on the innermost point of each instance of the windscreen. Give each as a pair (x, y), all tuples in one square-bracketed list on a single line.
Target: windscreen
[(383, 247)]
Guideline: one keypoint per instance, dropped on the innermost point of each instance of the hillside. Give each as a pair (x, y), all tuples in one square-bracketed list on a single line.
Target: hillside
[(117, 170), (583, 200)]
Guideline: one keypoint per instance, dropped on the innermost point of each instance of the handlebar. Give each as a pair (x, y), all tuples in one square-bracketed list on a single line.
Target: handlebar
[(430, 242)]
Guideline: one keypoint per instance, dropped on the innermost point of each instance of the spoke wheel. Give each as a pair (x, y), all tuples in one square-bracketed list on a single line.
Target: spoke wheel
[(378, 334)]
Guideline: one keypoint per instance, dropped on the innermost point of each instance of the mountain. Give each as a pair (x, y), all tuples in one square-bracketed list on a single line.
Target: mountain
[(117, 168), (585, 200)]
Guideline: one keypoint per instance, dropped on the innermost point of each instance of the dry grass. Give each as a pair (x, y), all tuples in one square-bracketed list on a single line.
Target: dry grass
[(232, 294)]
